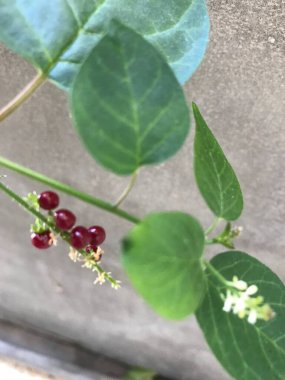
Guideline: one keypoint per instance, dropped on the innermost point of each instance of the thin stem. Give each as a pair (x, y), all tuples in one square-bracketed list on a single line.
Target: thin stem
[(25, 205), (128, 189), (67, 190), (210, 241), (100, 270), (45, 220), (213, 226), (22, 96), (217, 274)]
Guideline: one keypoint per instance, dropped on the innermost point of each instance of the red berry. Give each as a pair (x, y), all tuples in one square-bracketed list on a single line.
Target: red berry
[(42, 240), (48, 200), (79, 237), (96, 253), (64, 219), (91, 248), (98, 235)]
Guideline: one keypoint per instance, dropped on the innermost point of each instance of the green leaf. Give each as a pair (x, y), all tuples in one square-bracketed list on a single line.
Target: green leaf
[(127, 105), (215, 177), (246, 351), (137, 373), (57, 36), (162, 257)]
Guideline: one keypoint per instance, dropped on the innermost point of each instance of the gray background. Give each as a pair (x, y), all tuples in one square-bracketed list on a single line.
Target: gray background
[(240, 89)]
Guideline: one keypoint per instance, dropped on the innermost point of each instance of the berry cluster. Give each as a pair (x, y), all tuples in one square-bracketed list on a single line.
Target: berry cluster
[(79, 237)]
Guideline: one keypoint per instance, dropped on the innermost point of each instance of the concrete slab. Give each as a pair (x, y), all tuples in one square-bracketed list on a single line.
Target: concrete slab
[(32, 353)]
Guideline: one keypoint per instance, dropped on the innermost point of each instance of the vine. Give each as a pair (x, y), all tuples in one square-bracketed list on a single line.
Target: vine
[(23, 96), (124, 83)]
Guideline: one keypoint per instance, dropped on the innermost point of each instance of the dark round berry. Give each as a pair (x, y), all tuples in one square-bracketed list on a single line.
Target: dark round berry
[(94, 251), (98, 235), (64, 219), (48, 200), (42, 240), (91, 248), (79, 237)]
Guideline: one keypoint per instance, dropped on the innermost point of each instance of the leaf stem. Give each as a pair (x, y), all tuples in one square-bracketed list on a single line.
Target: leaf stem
[(217, 274), (128, 189), (45, 220), (213, 226), (67, 190), (22, 96)]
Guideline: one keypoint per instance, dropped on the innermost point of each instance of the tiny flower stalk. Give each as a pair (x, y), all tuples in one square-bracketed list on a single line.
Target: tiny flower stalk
[(241, 299), (226, 237), (213, 226), (45, 234), (90, 261)]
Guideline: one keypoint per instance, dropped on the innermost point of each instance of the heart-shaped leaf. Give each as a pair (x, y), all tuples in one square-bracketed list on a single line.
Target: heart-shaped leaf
[(215, 177), (162, 257), (246, 351), (57, 36), (127, 105)]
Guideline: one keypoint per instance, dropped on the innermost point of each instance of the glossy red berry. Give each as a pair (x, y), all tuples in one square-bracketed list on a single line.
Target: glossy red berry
[(41, 240), (48, 200), (79, 237), (98, 235), (64, 219)]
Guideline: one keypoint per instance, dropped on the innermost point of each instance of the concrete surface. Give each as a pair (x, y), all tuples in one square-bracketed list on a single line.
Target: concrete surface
[(240, 88), (53, 358)]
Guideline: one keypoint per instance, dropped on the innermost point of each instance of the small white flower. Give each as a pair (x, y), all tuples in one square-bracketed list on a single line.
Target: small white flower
[(228, 305), (266, 313), (252, 289), (239, 300), (73, 255), (53, 239), (240, 304), (252, 317), (98, 254), (239, 284), (100, 279), (229, 302), (117, 285), (237, 231)]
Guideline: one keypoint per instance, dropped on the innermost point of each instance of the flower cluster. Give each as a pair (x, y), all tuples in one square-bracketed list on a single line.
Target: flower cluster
[(227, 236), (84, 243), (90, 261), (239, 299)]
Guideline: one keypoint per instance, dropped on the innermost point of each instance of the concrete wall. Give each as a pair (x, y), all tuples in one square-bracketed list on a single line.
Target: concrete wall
[(240, 89)]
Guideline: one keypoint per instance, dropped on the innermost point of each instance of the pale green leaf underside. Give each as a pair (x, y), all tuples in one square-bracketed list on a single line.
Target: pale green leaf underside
[(248, 352), (215, 176), (162, 257), (58, 35), (138, 373), (127, 105)]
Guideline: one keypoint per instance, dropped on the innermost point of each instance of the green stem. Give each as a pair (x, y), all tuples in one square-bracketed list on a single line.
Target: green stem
[(45, 220), (67, 190), (100, 270), (217, 274), (128, 189), (25, 94), (25, 205), (213, 226)]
